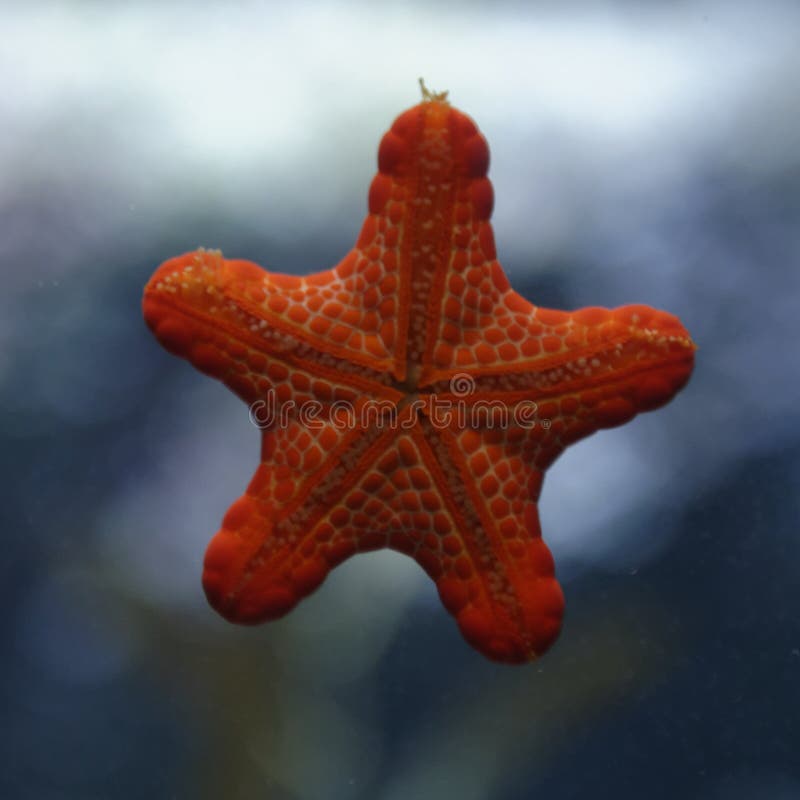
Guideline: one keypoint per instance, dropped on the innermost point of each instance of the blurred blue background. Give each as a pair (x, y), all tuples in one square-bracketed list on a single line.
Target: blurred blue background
[(641, 152)]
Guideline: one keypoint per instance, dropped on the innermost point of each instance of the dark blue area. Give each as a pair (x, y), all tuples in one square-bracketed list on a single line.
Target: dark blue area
[(732, 701)]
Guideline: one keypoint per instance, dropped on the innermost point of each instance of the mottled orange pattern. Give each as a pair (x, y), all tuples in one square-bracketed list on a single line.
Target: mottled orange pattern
[(419, 316)]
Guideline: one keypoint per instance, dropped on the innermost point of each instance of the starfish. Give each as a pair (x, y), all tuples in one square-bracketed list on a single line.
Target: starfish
[(408, 398)]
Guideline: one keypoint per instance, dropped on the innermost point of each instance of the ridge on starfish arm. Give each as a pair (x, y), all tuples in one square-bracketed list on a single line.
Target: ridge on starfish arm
[(417, 317)]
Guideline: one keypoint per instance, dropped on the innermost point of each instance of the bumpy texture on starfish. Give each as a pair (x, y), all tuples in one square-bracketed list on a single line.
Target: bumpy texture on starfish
[(417, 318)]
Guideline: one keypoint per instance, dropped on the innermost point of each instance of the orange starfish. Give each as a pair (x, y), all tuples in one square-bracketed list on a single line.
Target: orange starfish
[(409, 397)]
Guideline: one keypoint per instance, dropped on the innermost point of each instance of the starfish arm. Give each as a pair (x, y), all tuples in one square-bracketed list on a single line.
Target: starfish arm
[(577, 372), (500, 585), (432, 188), (277, 542), (485, 553), (612, 365), (253, 330), (514, 338)]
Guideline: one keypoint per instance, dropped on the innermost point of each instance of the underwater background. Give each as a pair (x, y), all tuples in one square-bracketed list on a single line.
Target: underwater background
[(641, 152)]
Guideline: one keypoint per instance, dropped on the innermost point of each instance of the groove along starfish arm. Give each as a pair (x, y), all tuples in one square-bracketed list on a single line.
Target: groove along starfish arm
[(416, 312)]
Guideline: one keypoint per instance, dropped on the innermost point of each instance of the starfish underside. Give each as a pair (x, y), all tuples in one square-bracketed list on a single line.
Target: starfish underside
[(417, 320)]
